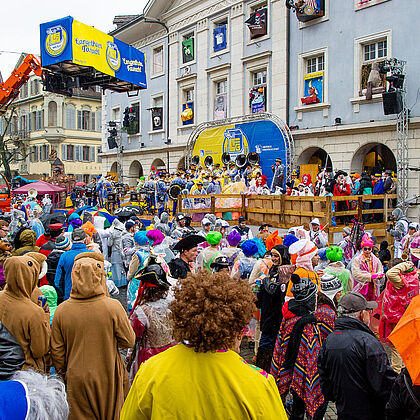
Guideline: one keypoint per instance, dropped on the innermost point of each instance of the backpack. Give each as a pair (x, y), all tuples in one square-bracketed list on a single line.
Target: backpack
[(245, 268)]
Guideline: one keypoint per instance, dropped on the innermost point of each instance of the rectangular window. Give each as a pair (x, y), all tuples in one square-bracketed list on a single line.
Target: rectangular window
[(92, 154), (115, 114), (258, 20), (157, 113), (313, 80), (220, 100), (93, 121), (258, 92), (187, 114), (98, 121), (370, 53), (70, 152), (71, 117), (157, 60), (85, 120), (98, 158), (135, 119), (188, 53), (86, 152)]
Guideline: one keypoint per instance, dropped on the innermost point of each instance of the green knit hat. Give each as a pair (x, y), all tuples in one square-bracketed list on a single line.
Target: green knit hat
[(334, 253), (214, 238)]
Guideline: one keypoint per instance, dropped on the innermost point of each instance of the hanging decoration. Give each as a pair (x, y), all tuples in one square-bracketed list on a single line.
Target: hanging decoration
[(219, 38), (307, 10), (362, 4), (187, 114), (257, 99), (257, 23), (220, 107), (314, 88), (188, 50), (157, 118)]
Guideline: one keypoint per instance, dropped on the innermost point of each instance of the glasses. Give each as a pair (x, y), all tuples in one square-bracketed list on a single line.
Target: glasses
[(367, 249)]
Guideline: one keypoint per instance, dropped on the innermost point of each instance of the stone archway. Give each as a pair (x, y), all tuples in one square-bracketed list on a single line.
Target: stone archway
[(114, 167), (158, 164), (134, 173), (316, 155), (181, 163), (373, 155)]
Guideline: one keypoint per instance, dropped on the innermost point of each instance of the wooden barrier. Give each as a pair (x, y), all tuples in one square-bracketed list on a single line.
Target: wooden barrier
[(287, 211)]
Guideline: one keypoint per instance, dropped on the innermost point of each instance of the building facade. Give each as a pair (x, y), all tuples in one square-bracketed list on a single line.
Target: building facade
[(331, 62), (47, 126), (214, 63)]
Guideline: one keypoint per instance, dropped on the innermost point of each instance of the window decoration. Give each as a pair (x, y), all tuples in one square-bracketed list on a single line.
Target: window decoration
[(220, 107), (307, 10), (362, 4), (257, 99), (257, 23), (187, 114), (219, 38), (188, 49), (313, 88), (157, 118)]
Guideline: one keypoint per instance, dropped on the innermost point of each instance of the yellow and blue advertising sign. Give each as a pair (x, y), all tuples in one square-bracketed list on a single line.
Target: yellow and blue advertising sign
[(69, 40), (263, 137)]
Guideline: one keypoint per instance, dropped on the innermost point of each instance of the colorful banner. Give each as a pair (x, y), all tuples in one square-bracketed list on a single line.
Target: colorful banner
[(157, 118), (220, 107), (187, 114), (257, 23), (257, 99), (219, 38), (69, 40), (314, 88), (188, 50), (262, 137), (310, 9)]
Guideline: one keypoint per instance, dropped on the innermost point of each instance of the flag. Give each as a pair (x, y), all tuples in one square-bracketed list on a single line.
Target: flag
[(219, 38), (157, 118), (188, 50), (257, 23)]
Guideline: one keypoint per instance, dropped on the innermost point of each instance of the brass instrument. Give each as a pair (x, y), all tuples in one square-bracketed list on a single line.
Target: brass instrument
[(253, 158), (208, 162), (195, 160), (226, 158), (32, 193), (241, 161)]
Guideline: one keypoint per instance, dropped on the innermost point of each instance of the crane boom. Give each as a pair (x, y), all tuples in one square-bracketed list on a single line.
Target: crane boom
[(9, 89)]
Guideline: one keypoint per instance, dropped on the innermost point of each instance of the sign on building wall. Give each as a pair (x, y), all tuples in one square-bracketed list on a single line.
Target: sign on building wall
[(362, 4), (188, 50), (157, 118), (219, 38), (67, 40)]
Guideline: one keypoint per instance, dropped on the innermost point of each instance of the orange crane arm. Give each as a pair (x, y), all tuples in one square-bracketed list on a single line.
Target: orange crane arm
[(10, 88)]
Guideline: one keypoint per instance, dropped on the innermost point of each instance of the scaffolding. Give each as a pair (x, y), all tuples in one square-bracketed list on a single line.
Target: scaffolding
[(398, 68)]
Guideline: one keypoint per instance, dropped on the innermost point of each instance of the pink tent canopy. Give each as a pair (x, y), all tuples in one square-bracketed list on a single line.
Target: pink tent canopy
[(41, 186)]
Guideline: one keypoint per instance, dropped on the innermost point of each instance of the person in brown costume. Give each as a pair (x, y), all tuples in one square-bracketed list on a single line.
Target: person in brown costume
[(28, 323), (87, 331)]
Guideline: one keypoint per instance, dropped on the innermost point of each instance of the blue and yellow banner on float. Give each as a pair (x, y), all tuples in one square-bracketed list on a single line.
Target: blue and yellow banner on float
[(263, 137), (69, 40)]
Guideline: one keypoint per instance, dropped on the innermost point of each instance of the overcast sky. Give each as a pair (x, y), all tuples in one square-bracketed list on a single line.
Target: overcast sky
[(19, 29)]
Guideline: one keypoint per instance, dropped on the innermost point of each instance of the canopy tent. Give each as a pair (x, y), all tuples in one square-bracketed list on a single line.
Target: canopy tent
[(42, 188)]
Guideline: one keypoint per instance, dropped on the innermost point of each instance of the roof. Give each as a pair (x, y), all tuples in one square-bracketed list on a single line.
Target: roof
[(41, 186)]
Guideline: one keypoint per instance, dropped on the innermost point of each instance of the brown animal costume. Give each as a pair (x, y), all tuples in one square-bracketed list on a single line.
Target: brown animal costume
[(28, 323), (26, 243), (87, 330)]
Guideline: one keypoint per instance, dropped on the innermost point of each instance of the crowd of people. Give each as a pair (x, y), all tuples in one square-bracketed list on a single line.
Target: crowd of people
[(322, 321)]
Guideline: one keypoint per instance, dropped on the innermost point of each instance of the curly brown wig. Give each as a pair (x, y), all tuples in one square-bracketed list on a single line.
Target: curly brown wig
[(210, 311)]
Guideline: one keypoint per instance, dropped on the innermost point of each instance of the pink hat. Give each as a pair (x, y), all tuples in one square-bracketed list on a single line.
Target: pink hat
[(156, 236), (305, 251)]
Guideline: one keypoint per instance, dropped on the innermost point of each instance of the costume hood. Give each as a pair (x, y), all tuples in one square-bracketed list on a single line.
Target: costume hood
[(27, 238), (88, 276), (164, 217), (99, 222), (22, 273)]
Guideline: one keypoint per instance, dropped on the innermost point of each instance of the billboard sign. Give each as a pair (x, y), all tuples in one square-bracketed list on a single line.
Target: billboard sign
[(67, 40)]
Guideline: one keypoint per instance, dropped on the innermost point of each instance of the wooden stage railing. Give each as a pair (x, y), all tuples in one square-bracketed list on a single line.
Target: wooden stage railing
[(287, 211)]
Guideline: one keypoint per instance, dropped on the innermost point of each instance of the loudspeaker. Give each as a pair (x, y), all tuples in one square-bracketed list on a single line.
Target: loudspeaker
[(392, 102)]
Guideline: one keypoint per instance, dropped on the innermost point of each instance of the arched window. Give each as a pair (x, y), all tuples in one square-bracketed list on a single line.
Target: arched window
[(52, 114)]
